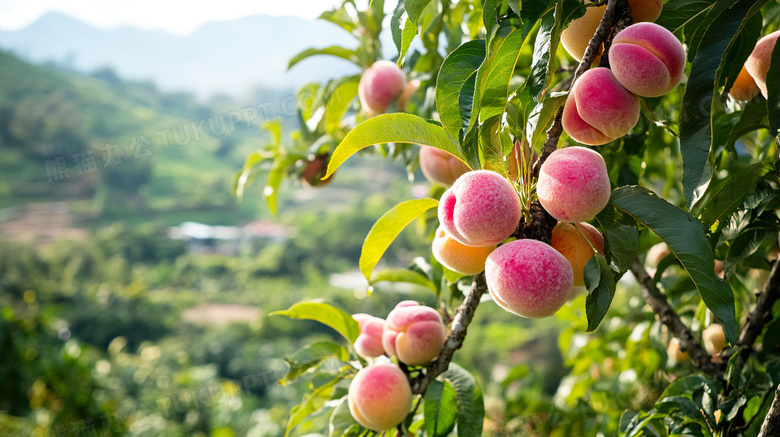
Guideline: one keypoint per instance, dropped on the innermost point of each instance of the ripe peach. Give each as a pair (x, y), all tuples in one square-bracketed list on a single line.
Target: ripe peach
[(458, 257), (744, 88), (413, 333), (570, 242), (676, 355), (599, 109), (480, 209), (757, 63), (369, 342), (528, 278), (440, 167), (573, 184), (577, 35), (312, 173), (379, 86), (647, 59), (714, 339), (380, 396)]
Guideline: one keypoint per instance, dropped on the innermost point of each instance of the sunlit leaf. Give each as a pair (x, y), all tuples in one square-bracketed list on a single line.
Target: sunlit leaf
[(337, 51), (328, 315)]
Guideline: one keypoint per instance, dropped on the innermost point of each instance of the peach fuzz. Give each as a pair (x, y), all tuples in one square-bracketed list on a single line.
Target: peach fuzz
[(528, 278), (379, 86), (599, 109), (573, 184), (745, 87), (413, 333), (577, 35), (480, 209), (440, 167), (647, 59), (458, 257), (757, 63), (380, 397), (369, 342), (569, 241)]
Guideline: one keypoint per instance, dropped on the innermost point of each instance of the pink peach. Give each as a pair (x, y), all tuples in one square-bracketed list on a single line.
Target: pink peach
[(573, 184), (758, 62), (599, 109), (440, 167), (379, 86), (528, 278), (413, 333), (380, 396), (480, 209), (647, 59), (369, 342), (458, 257)]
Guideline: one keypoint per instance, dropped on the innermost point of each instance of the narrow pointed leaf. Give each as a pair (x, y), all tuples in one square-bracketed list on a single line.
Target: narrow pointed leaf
[(455, 70), (601, 289), (328, 315), (337, 51)]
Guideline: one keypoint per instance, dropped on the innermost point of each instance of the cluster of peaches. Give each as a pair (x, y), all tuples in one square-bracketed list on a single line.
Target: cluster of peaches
[(380, 395), (645, 60)]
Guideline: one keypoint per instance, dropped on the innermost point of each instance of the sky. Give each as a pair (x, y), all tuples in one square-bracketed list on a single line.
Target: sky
[(179, 17)]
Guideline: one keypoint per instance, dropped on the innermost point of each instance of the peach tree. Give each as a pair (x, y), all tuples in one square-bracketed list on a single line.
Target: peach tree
[(677, 200)]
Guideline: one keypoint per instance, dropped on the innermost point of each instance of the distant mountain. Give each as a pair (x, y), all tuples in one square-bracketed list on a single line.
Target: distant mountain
[(220, 57)]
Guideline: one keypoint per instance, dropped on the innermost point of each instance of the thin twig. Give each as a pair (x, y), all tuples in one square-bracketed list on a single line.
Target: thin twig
[(668, 316), (601, 35), (460, 324), (762, 312)]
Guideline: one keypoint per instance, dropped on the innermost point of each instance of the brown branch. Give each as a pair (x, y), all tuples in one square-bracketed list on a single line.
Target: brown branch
[(668, 316), (771, 425), (762, 312), (601, 35), (460, 324)]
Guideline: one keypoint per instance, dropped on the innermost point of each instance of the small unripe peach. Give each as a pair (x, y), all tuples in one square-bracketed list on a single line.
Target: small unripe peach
[(745, 87), (714, 339), (599, 109), (369, 342), (458, 257), (380, 396), (647, 59), (480, 209), (312, 173), (528, 278), (573, 184), (676, 355), (379, 86), (571, 243), (413, 333), (577, 35), (440, 167), (757, 63)]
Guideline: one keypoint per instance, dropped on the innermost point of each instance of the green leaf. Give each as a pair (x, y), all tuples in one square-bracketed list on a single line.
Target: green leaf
[(542, 116), (698, 105), (392, 128), (341, 419), (547, 42), (407, 36), (687, 241), (456, 69), (404, 275), (621, 235), (439, 409), (387, 228), (496, 92), (395, 24), (311, 402), (340, 17), (752, 118), (468, 396), (773, 92), (246, 175), (328, 315), (275, 177), (312, 356), (491, 140), (414, 9), (733, 192), (601, 289), (337, 51), (677, 13), (338, 103)]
